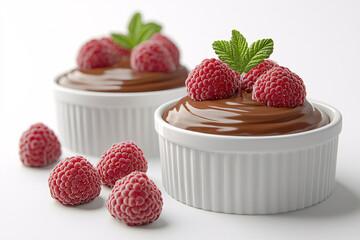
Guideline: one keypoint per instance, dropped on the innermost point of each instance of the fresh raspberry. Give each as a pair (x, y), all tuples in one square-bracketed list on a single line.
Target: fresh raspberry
[(120, 50), (237, 79), (279, 87), (74, 181), (174, 51), (152, 56), (211, 79), (39, 146), (99, 53), (135, 200), (248, 79), (120, 160), (237, 76)]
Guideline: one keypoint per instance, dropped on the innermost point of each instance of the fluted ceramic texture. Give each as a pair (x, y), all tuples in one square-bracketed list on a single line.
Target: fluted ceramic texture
[(249, 182), (92, 130)]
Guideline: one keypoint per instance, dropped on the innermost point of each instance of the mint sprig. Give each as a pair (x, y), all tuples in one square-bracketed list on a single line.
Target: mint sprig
[(138, 32), (239, 56)]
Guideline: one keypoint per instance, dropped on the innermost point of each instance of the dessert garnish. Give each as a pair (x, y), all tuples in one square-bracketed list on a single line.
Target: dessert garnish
[(99, 53), (138, 32), (74, 181), (135, 200), (268, 82), (152, 56), (151, 51), (120, 160), (211, 79), (212, 83), (248, 79), (239, 56), (39, 146), (158, 54), (279, 87), (169, 45), (148, 50)]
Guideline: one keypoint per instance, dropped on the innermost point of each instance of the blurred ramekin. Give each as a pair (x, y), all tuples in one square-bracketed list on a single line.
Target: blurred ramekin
[(249, 175), (90, 122)]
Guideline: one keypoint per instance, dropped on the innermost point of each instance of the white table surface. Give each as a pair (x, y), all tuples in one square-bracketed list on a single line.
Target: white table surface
[(40, 39)]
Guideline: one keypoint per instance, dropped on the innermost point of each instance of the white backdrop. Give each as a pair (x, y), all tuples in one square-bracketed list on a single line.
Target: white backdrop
[(319, 40)]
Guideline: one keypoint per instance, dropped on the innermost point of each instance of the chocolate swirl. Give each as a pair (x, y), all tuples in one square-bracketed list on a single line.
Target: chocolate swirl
[(121, 78), (242, 116)]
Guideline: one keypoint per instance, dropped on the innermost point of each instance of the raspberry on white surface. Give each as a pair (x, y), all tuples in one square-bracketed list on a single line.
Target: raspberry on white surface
[(135, 200), (39, 146), (74, 181), (120, 160)]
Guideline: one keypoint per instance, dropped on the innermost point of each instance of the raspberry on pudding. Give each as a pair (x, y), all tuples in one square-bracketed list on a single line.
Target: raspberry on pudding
[(248, 79), (211, 79), (99, 53)]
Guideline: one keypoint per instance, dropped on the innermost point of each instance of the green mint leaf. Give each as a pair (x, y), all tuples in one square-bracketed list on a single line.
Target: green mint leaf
[(134, 28), (148, 30), (135, 22), (122, 40), (226, 53), (239, 45), (239, 56), (138, 32), (257, 53)]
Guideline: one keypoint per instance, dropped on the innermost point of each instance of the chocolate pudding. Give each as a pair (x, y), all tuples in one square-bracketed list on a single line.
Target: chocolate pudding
[(242, 116), (121, 78)]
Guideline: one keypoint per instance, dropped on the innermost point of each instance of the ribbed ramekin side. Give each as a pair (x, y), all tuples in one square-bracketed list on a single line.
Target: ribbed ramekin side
[(249, 182), (92, 130)]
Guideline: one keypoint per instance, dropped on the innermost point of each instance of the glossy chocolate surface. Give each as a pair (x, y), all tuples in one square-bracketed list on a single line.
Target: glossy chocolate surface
[(242, 116), (121, 78)]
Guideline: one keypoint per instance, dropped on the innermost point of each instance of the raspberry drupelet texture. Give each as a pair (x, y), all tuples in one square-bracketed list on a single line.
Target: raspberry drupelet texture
[(152, 56), (74, 181), (248, 79), (211, 79), (120, 160), (135, 200), (99, 53), (39, 146), (120, 51), (279, 87), (174, 51)]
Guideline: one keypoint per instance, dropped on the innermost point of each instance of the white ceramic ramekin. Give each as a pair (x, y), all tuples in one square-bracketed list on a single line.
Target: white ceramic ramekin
[(90, 122), (249, 175)]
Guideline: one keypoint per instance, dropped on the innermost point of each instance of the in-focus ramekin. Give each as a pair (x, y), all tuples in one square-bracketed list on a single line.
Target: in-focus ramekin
[(90, 122), (249, 175)]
